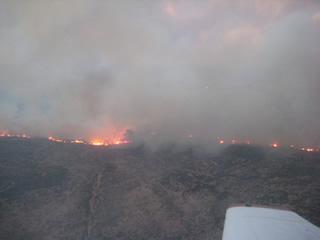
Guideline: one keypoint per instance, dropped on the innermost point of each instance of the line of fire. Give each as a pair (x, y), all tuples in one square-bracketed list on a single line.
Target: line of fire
[(119, 141), (95, 143)]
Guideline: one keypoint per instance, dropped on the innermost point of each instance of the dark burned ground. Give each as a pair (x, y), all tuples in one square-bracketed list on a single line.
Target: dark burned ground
[(51, 190)]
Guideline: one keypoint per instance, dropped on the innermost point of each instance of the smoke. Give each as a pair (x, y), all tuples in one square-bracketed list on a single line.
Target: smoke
[(170, 71)]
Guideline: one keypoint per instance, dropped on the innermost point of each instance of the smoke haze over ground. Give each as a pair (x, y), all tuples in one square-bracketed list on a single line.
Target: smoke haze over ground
[(79, 69)]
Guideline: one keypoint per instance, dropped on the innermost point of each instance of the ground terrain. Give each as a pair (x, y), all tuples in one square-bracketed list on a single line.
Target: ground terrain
[(52, 190)]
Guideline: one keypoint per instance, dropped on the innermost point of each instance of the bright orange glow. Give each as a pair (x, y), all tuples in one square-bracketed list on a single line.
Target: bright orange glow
[(117, 142), (274, 145), (77, 141), (221, 141), (97, 143)]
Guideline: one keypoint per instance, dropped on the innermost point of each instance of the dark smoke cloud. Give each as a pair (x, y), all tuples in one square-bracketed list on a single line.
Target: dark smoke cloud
[(246, 70)]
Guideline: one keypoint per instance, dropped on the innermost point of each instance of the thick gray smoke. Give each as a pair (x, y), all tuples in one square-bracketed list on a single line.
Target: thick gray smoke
[(168, 70)]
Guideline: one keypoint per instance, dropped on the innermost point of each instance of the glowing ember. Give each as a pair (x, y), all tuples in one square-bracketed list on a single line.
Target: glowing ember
[(3, 134), (119, 142), (77, 141), (221, 141), (274, 145), (56, 140)]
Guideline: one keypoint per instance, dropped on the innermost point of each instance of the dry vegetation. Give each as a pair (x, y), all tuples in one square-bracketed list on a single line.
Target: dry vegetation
[(51, 190)]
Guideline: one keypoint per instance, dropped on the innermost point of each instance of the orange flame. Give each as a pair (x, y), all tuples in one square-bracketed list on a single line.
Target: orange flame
[(3, 134), (77, 141), (97, 143)]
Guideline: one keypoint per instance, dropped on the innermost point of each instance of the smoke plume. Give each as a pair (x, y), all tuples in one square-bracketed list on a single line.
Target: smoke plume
[(167, 71)]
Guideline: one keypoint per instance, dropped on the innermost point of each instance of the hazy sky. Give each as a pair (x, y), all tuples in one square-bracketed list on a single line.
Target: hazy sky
[(214, 69)]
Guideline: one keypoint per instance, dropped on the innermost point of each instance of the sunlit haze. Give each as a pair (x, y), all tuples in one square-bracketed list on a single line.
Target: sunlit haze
[(186, 72)]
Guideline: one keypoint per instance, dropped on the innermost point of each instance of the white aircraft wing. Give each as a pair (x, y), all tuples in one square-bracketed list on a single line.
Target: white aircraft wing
[(248, 222)]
